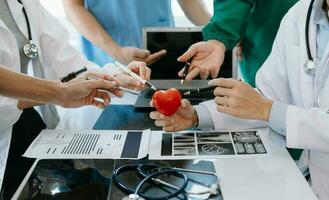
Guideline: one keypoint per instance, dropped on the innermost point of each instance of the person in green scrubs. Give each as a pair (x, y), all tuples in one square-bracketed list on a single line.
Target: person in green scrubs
[(253, 23)]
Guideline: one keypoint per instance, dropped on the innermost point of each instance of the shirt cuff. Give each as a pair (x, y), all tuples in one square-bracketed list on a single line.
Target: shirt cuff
[(205, 120), (278, 117)]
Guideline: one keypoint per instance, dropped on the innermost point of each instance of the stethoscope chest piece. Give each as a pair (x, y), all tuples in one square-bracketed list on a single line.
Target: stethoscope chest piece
[(310, 66), (133, 197), (31, 50)]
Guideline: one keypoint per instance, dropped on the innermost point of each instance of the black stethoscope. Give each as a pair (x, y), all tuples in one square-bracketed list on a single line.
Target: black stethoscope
[(30, 50), (312, 63), (150, 172)]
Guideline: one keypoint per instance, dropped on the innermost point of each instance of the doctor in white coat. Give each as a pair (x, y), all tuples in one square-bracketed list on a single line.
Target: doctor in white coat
[(292, 99), (56, 58)]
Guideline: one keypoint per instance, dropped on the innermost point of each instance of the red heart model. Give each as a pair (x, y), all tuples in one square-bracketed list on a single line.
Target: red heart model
[(167, 102)]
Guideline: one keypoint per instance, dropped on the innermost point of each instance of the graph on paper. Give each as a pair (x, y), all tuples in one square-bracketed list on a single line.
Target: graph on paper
[(86, 144)]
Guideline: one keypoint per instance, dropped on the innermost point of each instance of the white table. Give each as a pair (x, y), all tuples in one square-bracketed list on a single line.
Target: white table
[(272, 177)]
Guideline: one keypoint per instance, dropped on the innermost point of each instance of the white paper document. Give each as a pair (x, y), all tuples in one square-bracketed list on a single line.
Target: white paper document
[(114, 144), (89, 144)]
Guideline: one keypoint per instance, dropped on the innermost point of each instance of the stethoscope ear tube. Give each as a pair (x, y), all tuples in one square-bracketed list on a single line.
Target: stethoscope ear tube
[(307, 26)]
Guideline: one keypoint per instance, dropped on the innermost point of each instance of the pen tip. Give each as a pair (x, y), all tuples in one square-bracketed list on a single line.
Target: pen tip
[(187, 93), (182, 81)]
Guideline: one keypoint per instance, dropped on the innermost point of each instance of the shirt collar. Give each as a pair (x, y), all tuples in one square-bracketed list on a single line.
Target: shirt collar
[(320, 16)]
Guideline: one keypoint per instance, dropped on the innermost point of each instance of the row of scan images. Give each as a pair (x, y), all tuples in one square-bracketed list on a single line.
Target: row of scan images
[(212, 143)]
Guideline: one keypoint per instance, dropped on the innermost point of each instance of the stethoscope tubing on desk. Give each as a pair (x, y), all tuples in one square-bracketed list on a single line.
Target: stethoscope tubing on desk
[(212, 189), (129, 190)]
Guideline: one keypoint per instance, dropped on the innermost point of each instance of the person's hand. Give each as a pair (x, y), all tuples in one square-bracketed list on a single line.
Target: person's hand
[(185, 117), (126, 55), (239, 99), (239, 51), (80, 91), (207, 60), (127, 81)]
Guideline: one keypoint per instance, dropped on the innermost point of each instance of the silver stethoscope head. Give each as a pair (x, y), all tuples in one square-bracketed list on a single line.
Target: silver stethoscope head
[(311, 66), (133, 197), (31, 50)]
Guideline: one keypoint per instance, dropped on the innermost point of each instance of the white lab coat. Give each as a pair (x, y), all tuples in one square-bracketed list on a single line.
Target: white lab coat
[(282, 78), (57, 56)]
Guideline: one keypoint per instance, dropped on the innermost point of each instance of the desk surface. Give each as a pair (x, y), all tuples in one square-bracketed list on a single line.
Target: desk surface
[(270, 177)]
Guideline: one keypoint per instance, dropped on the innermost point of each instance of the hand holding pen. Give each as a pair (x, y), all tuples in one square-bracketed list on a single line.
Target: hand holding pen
[(134, 69)]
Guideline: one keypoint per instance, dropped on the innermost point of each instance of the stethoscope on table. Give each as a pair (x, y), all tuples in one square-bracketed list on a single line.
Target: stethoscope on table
[(30, 50), (149, 174)]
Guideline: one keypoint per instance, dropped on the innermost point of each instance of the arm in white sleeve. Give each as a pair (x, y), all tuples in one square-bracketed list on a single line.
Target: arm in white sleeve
[(278, 117), (10, 112), (226, 122), (308, 128), (204, 117)]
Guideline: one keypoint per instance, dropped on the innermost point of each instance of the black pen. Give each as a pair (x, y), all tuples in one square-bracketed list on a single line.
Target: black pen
[(186, 68), (73, 75), (199, 90)]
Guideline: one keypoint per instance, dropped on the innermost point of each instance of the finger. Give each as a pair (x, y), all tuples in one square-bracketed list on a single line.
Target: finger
[(204, 73), (171, 128), (148, 74), (223, 109), (224, 82), (117, 93), (220, 91), (141, 53), (131, 82), (155, 56), (185, 103), (180, 73), (188, 54), (99, 104), (100, 76), (223, 101), (214, 72), (156, 115), (100, 84), (194, 73), (165, 122), (104, 96)]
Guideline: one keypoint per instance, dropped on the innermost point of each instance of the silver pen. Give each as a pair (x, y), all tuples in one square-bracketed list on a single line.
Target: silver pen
[(131, 73), (119, 88)]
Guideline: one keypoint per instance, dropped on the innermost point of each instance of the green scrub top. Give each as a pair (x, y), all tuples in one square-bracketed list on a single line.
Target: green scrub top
[(254, 23)]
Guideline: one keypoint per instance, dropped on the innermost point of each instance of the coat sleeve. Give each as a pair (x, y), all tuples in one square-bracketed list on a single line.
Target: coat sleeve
[(226, 122), (229, 21), (58, 56), (306, 128)]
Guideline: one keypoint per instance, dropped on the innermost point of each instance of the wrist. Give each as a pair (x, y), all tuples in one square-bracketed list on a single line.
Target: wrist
[(60, 92), (266, 108), (218, 44), (195, 119)]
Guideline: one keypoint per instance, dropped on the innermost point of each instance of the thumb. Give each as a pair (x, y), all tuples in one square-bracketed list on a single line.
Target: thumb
[(141, 53), (188, 54), (185, 103)]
